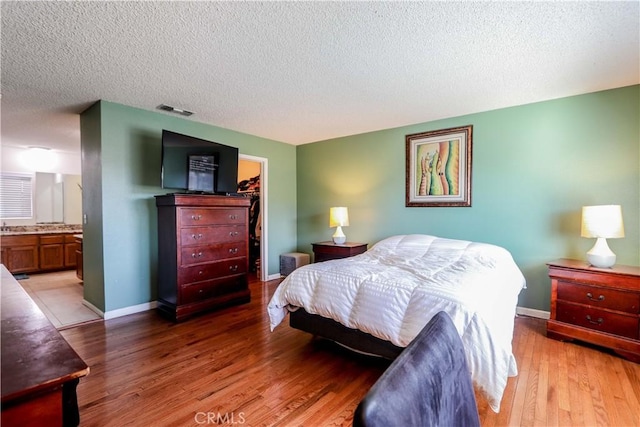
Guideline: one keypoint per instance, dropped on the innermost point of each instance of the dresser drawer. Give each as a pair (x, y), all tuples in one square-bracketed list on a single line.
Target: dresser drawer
[(213, 270), (211, 216), (211, 235), (599, 320), (599, 297), (201, 254), (197, 292)]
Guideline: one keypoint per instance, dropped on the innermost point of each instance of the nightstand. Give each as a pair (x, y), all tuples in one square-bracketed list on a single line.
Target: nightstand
[(324, 251), (596, 305)]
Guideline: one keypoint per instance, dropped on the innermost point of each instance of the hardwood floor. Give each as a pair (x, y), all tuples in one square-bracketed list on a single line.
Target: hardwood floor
[(227, 368), (565, 384)]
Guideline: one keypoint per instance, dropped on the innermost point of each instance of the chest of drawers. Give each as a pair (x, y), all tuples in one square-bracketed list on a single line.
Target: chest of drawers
[(203, 247), (596, 305)]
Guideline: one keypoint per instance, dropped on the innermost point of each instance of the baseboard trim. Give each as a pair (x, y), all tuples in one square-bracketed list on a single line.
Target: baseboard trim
[(130, 310), (93, 308), (532, 312), (524, 311), (274, 276), (112, 314)]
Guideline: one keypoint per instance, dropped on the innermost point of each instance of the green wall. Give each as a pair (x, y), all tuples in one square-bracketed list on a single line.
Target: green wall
[(121, 151), (533, 168)]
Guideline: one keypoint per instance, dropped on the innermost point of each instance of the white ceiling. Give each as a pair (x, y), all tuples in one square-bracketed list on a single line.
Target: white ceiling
[(299, 72)]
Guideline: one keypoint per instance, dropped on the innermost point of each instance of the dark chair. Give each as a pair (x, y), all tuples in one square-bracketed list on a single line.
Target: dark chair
[(428, 384)]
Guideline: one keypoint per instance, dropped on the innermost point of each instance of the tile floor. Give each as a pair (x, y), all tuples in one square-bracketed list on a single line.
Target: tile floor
[(59, 296)]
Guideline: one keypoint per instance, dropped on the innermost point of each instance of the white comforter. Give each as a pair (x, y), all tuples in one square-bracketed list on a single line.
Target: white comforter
[(393, 290)]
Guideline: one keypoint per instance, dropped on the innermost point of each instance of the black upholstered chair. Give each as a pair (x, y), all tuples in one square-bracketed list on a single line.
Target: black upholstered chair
[(428, 384)]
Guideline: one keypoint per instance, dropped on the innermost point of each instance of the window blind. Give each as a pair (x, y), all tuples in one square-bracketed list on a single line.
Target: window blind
[(16, 196)]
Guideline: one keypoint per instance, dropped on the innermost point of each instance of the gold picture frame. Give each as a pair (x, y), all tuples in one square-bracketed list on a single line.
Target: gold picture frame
[(439, 167)]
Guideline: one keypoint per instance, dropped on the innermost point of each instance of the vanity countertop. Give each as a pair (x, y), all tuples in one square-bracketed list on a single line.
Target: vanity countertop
[(18, 230)]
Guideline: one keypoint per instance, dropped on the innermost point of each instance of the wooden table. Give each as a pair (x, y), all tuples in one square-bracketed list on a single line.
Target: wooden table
[(40, 370)]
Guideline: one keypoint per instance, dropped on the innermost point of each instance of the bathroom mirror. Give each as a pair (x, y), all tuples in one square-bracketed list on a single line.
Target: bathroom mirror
[(58, 198)]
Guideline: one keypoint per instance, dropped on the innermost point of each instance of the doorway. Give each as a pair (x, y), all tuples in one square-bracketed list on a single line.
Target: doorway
[(59, 296), (252, 182)]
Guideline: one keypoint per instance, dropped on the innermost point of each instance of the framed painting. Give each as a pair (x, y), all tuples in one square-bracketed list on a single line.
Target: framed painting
[(439, 167)]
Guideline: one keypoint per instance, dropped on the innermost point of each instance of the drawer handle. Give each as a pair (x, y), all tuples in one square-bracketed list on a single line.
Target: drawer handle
[(200, 272), (590, 296), (233, 233), (197, 236), (196, 217), (198, 255), (595, 322), (233, 250), (233, 216), (233, 267)]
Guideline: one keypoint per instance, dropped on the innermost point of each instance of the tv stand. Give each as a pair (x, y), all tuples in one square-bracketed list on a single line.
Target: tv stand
[(203, 247)]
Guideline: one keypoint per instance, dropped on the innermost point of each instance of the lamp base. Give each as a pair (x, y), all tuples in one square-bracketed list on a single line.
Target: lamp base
[(338, 237), (600, 255)]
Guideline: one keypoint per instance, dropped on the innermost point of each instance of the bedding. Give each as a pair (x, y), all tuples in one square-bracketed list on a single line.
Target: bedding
[(395, 288)]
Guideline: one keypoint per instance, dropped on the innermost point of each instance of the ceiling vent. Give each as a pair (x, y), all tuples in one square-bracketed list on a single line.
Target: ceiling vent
[(169, 108)]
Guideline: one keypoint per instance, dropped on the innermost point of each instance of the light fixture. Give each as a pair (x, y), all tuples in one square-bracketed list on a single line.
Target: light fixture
[(38, 158), (602, 222), (338, 217), (170, 109)]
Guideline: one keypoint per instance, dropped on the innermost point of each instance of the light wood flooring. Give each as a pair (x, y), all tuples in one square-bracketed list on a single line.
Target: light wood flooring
[(59, 295), (228, 368)]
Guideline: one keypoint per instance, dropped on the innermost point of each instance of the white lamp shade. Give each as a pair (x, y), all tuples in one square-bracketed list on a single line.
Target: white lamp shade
[(602, 221), (338, 217)]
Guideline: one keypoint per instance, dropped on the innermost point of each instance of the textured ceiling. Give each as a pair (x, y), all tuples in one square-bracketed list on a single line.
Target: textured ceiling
[(300, 72)]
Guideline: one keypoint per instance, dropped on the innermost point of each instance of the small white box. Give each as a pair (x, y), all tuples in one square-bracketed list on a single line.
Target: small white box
[(291, 261)]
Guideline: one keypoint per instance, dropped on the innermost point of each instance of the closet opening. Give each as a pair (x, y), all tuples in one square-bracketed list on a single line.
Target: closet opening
[(252, 184)]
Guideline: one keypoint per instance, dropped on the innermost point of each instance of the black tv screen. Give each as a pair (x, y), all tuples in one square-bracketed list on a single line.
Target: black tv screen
[(192, 164)]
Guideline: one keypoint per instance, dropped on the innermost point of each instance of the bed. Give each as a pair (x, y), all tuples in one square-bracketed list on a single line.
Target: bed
[(379, 301)]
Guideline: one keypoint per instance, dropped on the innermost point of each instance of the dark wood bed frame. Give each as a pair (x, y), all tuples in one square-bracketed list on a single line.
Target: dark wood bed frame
[(351, 338)]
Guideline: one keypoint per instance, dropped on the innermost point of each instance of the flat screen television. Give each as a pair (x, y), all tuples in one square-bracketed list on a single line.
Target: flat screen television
[(194, 165)]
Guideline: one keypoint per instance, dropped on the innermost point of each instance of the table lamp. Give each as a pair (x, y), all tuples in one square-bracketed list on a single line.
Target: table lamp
[(602, 222), (338, 217)]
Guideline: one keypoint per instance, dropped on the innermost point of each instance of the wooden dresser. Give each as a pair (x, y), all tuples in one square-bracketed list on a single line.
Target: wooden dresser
[(596, 305), (203, 245)]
